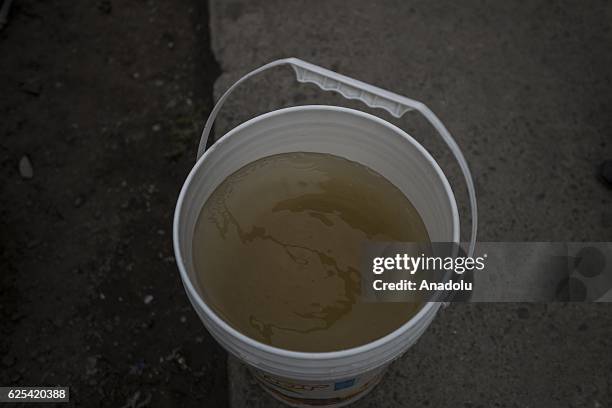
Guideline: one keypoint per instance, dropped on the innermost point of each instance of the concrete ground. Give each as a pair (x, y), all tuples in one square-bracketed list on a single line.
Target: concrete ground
[(525, 89)]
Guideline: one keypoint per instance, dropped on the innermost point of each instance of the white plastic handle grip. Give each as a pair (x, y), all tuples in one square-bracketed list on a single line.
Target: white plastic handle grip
[(372, 96)]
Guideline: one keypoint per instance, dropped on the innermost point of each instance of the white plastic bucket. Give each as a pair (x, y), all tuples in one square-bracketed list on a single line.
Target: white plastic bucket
[(330, 378)]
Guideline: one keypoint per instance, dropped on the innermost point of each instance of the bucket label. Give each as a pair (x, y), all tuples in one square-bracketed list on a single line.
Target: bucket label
[(344, 384), (302, 392)]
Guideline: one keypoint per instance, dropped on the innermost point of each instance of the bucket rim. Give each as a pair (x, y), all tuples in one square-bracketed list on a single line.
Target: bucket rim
[(277, 351)]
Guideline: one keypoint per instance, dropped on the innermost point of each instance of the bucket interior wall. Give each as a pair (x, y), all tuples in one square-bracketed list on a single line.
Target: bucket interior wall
[(343, 132)]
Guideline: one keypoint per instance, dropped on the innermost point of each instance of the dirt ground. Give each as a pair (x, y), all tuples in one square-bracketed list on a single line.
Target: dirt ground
[(106, 99)]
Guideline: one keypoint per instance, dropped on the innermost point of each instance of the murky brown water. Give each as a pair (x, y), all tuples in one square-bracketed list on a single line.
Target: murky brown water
[(277, 250)]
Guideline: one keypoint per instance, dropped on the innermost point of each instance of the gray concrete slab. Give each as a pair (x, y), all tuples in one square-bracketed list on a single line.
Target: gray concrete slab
[(524, 88), (488, 356)]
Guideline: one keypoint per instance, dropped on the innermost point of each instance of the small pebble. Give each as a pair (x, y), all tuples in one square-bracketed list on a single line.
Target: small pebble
[(135, 75), (156, 127), (25, 168), (148, 299), (78, 201), (183, 319), (31, 87)]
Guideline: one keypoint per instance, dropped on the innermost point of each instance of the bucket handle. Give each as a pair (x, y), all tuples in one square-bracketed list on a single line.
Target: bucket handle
[(372, 96)]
